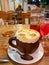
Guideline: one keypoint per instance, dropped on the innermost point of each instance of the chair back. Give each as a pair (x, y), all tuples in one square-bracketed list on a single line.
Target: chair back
[(19, 15), (3, 15)]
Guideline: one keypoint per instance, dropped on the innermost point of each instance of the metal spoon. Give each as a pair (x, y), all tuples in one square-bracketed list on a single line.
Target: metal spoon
[(24, 56)]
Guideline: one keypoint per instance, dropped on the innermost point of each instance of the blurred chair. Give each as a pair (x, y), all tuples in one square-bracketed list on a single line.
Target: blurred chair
[(19, 17), (10, 15), (26, 17), (10, 11), (10, 18), (3, 15)]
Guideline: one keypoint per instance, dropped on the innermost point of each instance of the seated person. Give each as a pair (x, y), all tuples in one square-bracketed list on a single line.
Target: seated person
[(19, 14), (19, 8)]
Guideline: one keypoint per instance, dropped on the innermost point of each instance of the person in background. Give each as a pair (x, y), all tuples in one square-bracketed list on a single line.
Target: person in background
[(29, 9), (19, 14), (19, 8), (37, 3)]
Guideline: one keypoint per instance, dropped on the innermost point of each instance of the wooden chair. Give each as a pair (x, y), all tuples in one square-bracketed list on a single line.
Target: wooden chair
[(10, 15), (19, 17), (10, 11), (3, 15), (26, 18)]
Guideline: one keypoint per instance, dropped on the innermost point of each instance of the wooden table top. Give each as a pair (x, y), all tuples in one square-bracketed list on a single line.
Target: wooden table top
[(3, 51)]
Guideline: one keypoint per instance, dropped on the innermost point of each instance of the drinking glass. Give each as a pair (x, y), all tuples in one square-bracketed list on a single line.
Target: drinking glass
[(35, 24), (44, 27), (44, 32)]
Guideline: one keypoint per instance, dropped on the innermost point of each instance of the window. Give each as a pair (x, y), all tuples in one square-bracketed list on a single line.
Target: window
[(17, 2), (0, 6)]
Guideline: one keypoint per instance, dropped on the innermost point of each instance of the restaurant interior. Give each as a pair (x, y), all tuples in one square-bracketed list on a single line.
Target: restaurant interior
[(24, 32)]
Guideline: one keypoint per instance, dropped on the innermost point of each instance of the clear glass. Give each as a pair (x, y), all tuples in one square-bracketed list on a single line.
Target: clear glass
[(44, 31), (35, 24), (45, 43), (5, 33)]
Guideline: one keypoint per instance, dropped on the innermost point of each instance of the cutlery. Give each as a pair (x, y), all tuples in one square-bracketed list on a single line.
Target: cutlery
[(23, 56), (4, 60)]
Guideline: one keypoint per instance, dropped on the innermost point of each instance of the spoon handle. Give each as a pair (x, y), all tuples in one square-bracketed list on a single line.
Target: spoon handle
[(4, 60)]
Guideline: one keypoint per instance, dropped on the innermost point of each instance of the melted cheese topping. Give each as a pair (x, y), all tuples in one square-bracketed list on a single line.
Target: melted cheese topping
[(27, 35)]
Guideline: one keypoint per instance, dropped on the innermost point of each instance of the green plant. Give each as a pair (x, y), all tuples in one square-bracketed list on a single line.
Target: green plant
[(42, 4)]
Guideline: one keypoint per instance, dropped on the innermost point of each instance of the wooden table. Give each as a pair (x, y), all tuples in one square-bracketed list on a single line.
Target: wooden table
[(44, 60)]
